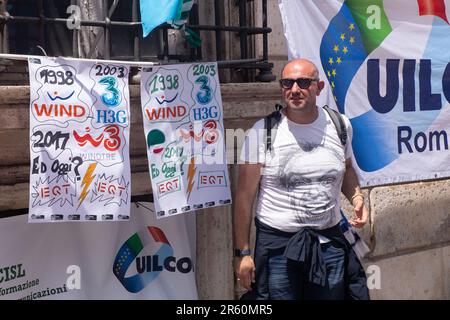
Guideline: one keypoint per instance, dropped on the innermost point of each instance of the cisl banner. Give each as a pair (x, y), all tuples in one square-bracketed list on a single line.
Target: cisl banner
[(388, 69), (183, 125), (142, 259), (79, 141)]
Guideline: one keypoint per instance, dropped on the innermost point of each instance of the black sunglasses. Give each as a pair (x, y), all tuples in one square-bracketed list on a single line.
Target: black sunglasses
[(303, 83)]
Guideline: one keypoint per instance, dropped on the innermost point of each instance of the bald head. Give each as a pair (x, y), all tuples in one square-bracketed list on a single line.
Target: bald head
[(304, 66), (301, 90)]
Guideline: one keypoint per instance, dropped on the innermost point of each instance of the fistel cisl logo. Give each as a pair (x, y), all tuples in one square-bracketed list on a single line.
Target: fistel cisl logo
[(150, 266)]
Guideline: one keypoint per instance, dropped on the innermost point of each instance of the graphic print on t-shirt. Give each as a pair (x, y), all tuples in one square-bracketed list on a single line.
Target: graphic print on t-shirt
[(310, 175)]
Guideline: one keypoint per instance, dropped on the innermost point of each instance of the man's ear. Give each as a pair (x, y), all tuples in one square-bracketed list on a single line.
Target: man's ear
[(320, 85)]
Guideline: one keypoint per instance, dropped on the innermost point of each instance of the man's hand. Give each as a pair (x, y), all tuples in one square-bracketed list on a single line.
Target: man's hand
[(361, 214), (245, 271), (350, 188)]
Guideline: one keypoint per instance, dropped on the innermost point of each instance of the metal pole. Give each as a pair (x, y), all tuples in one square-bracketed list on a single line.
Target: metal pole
[(106, 30), (222, 64), (195, 20), (75, 36), (166, 44), (6, 36), (218, 32), (137, 43), (41, 24), (265, 35), (3, 24), (108, 13), (265, 72), (25, 57), (125, 24), (242, 23)]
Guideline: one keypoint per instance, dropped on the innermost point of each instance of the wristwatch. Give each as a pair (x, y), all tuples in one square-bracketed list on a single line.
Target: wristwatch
[(242, 252)]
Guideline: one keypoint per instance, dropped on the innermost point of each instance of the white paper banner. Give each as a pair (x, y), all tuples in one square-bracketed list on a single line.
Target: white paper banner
[(387, 67), (79, 141), (87, 261), (183, 124)]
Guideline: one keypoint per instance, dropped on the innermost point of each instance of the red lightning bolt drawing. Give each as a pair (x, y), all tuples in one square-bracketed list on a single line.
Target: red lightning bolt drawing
[(87, 180), (191, 173)]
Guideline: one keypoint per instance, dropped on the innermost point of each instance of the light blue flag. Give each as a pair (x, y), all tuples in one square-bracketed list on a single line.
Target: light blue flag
[(156, 12)]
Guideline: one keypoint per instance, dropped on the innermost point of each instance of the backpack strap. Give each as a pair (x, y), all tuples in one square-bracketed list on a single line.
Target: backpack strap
[(338, 122), (271, 121)]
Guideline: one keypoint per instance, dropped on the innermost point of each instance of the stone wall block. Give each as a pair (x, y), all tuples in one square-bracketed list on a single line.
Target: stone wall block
[(410, 216), (419, 275)]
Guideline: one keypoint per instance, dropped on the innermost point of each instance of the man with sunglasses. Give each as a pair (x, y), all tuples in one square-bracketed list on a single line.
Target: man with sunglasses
[(300, 251)]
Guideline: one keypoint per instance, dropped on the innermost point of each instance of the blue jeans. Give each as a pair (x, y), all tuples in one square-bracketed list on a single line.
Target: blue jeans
[(288, 280)]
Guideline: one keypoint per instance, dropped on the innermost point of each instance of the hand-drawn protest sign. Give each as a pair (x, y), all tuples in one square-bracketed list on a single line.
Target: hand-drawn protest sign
[(183, 124), (79, 141)]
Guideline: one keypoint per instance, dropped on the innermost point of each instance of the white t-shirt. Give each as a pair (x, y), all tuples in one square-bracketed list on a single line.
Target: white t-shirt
[(302, 177)]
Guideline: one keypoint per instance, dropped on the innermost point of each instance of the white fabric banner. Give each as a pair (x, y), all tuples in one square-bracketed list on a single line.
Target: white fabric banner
[(387, 67), (141, 259), (183, 125), (79, 141)]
